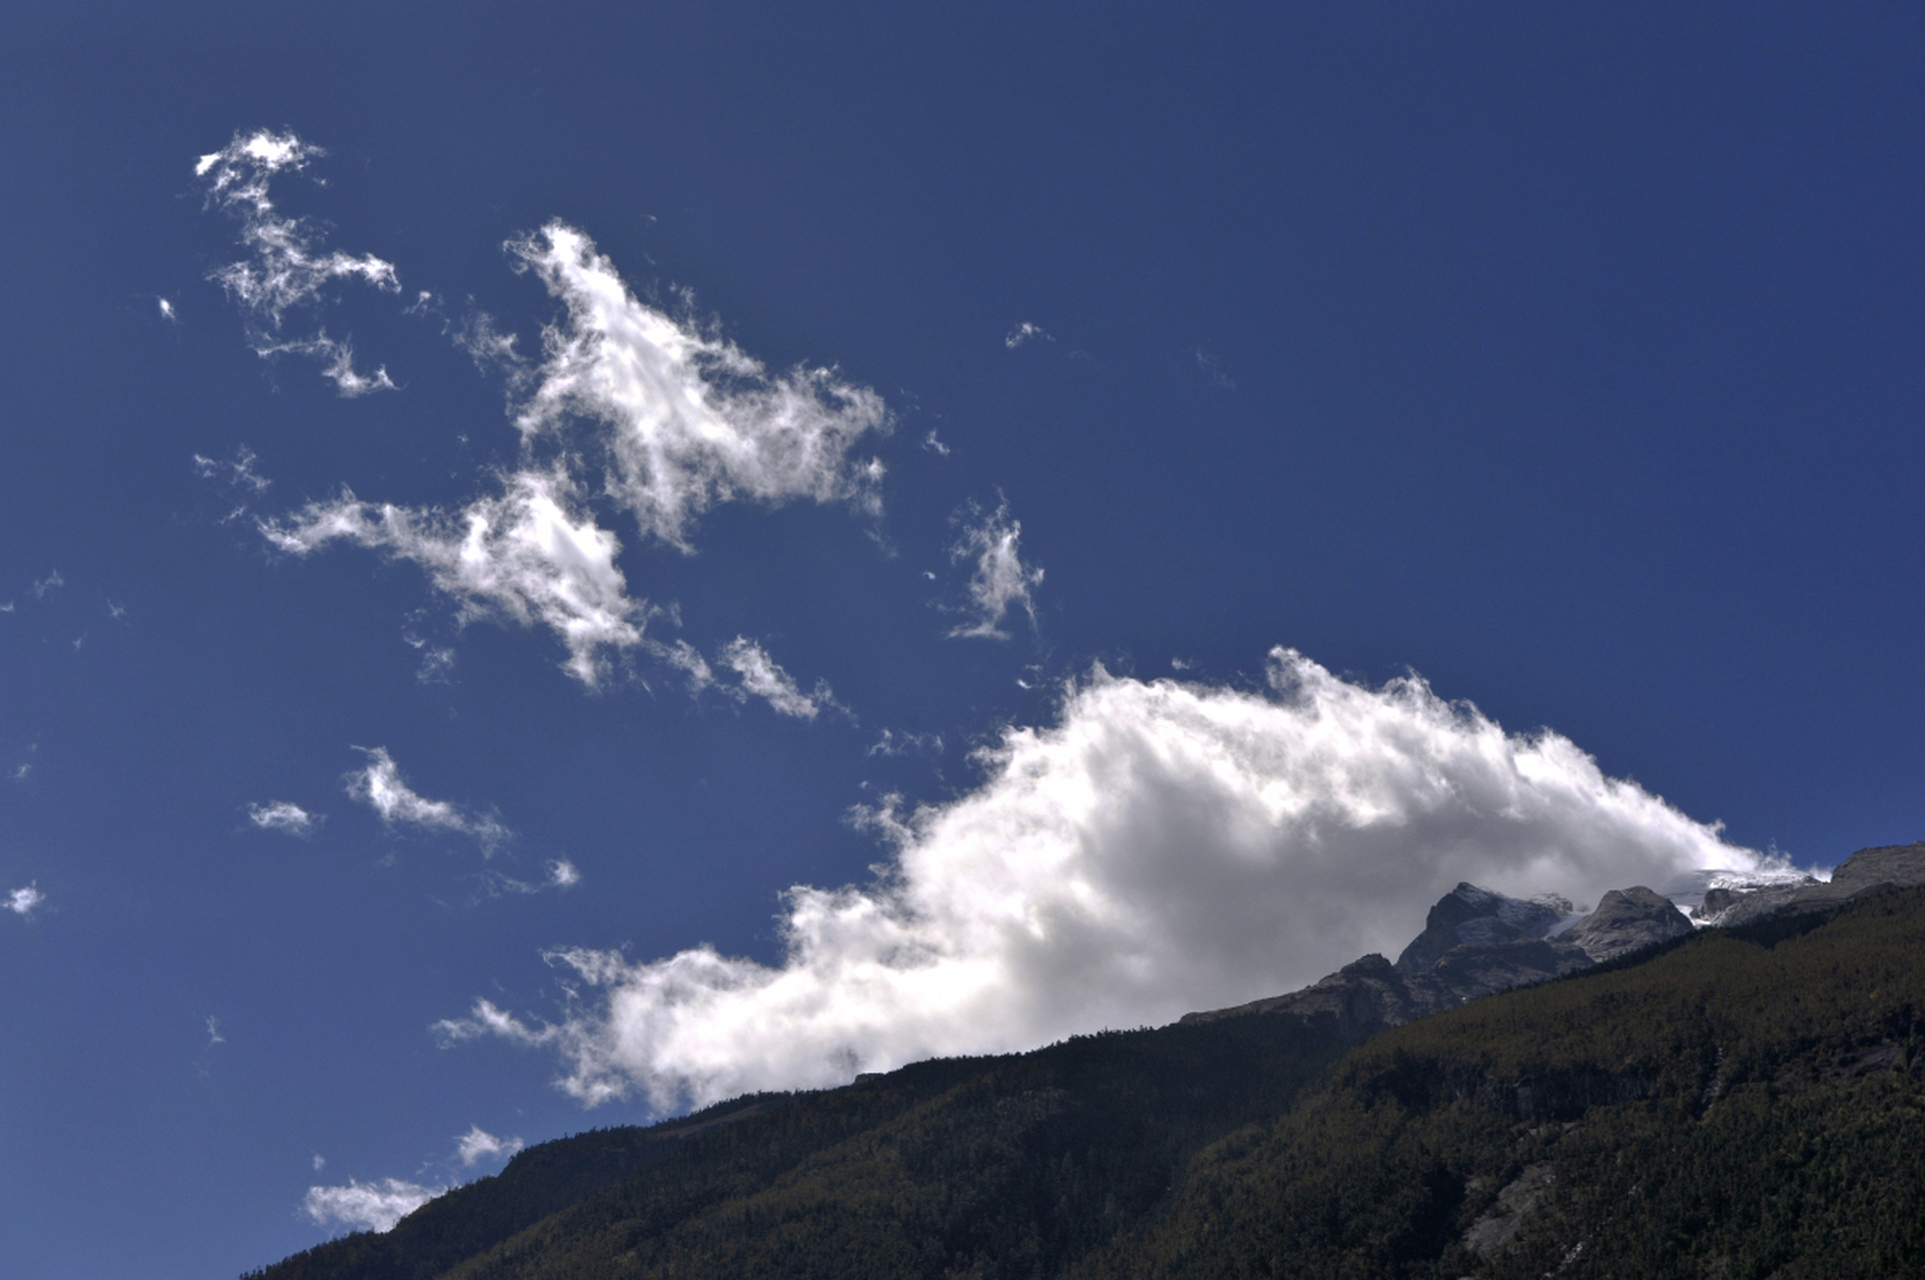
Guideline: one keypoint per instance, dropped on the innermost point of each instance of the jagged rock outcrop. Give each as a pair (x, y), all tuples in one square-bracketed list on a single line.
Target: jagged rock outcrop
[(1467, 972), (1477, 942), (1739, 905), (1898, 866), (1628, 920), (1472, 916)]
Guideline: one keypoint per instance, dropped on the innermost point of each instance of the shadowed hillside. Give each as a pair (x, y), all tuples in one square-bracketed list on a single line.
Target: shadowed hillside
[(1744, 1102)]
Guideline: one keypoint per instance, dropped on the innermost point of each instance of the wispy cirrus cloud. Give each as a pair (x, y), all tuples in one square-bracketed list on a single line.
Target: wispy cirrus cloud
[(762, 677), (901, 742), (679, 419), (557, 873), (1024, 333), (381, 786), (285, 817), (532, 554), (236, 473), (1161, 847), (1211, 366), (287, 268), (998, 580), (631, 408)]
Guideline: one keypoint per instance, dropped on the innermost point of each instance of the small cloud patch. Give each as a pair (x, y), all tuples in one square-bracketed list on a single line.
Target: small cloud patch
[(367, 1206), (286, 817), (478, 1144), (999, 580), (382, 788)]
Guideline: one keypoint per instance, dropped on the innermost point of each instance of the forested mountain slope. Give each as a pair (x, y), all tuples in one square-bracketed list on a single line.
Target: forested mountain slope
[(1023, 1163), (1738, 1103), (1744, 1104)]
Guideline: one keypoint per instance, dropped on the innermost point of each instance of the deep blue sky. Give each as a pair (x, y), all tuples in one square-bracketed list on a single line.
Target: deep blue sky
[(1570, 359)]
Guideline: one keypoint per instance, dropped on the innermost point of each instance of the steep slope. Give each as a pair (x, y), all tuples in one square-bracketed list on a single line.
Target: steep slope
[(1748, 1103), (1475, 942), (1014, 1165), (1470, 915), (1738, 1102), (1887, 866)]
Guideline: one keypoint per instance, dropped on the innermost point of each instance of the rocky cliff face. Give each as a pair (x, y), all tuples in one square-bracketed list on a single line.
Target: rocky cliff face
[(1470, 916), (1628, 920), (1476, 942), (1897, 866)]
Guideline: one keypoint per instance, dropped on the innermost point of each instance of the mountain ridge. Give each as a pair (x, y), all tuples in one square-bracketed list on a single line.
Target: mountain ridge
[(1087, 1158)]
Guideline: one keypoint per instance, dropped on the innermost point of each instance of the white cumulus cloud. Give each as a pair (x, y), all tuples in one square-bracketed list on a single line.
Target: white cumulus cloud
[(1162, 847), (284, 816), (367, 1206), (381, 786), (287, 268), (678, 419), (998, 580), (24, 901), (478, 1144)]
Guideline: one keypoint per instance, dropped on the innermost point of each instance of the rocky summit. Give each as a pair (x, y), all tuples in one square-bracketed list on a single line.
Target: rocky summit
[(1472, 916), (1476, 942), (1895, 866)]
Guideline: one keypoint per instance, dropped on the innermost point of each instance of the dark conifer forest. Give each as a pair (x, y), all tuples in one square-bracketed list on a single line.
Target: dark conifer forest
[(1739, 1103)]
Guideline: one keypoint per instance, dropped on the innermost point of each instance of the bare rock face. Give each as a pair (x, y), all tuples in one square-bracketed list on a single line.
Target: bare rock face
[(1898, 866), (1467, 972), (1723, 907), (1628, 920), (1477, 942), (1472, 916), (1894, 865)]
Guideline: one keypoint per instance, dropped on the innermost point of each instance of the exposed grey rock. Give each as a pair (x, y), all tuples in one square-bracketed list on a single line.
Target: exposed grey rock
[(1472, 916), (1723, 907), (1477, 942), (1897, 866), (1466, 972), (1893, 865), (1628, 920), (1499, 1227)]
